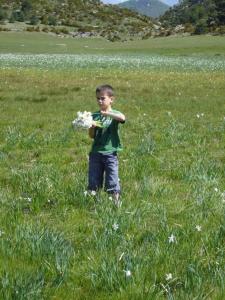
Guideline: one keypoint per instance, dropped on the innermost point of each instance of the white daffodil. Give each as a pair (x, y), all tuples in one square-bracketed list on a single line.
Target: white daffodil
[(198, 228), (115, 226), (83, 120), (28, 199), (127, 273), (172, 239), (168, 276)]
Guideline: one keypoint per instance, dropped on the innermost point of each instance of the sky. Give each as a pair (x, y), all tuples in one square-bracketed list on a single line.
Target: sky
[(169, 2)]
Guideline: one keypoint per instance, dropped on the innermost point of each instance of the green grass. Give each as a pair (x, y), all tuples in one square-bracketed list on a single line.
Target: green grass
[(56, 243), (44, 43)]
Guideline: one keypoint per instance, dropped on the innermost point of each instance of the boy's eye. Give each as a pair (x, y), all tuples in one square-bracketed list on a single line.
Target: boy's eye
[(101, 98)]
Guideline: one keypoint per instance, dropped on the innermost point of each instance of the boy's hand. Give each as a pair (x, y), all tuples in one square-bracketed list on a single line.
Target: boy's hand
[(94, 124)]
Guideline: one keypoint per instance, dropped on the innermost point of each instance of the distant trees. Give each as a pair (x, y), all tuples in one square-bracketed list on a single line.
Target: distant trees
[(3, 14), (204, 15), (220, 6)]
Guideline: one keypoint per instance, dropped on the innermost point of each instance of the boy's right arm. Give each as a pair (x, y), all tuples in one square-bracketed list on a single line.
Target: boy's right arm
[(91, 131)]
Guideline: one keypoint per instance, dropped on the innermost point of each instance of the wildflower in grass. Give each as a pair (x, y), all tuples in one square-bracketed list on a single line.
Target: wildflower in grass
[(93, 193), (169, 113), (121, 256), (85, 193), (115, 226), (198, 228), (172, 239), (28, 199), (169, 276), (1, 233), (110, 198), (216, 189), (127, 273), (198, 116), (223, 197)]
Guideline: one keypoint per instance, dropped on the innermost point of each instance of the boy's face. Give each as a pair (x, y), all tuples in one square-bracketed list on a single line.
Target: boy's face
[(104, 100)]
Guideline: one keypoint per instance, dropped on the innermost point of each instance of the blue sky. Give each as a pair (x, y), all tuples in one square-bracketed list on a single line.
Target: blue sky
[(169, 2)]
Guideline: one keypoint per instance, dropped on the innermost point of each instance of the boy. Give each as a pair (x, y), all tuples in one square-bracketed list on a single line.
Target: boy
[(103, 156)]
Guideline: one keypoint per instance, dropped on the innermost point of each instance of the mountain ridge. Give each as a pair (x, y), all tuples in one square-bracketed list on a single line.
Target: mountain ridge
[(151, 8)]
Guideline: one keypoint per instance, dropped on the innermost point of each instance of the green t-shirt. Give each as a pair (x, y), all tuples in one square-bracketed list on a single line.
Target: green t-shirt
[(106, 139)]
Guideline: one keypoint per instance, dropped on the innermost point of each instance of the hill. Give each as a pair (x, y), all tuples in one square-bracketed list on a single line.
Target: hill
[(76, 17), (197, 16), (170, 2), (151, 8)]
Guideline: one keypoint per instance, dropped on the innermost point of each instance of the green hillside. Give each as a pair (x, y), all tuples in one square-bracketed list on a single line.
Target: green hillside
[(151, 8), (75, 17), (197, 16)]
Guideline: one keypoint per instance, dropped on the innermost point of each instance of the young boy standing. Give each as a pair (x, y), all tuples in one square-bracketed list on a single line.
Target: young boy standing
[(103, 161)]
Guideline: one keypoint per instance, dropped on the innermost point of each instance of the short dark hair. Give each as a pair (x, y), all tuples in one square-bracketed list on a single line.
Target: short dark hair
[(105, 88)]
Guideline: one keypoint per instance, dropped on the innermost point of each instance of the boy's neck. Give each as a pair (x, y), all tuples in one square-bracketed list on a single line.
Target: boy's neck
[(109, 108)]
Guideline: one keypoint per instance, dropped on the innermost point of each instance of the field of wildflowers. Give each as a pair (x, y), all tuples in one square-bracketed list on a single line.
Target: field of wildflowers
[(167, 239)]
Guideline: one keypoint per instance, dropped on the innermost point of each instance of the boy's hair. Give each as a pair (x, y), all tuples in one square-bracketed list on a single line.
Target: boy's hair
[(105, 88)]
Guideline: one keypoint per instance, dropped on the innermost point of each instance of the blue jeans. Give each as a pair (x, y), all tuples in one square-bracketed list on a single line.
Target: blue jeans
[(100, 166)]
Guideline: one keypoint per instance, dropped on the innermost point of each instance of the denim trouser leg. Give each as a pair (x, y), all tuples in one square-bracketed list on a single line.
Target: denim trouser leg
[(111, 173), (98, 165), (95, 173)]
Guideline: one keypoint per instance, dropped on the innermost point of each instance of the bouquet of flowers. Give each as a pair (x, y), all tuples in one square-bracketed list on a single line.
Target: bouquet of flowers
[(84, 120)]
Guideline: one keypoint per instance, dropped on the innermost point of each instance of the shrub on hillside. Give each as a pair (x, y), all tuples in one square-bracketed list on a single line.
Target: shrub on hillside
[(34, 20), (201, 27), (64, 30), (17, 15), (189, 28), (3, 14), (52, 20), (32, 29), (4, 29), (45, 29)]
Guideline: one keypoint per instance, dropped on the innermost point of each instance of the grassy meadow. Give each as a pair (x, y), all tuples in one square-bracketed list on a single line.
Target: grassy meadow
[(167, 239)]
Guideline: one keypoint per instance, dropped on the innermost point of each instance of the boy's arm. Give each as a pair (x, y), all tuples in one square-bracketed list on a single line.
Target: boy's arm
[(117, 116), (91, 131)]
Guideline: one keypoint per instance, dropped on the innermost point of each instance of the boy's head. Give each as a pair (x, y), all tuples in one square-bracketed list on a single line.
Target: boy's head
[(105, 96)]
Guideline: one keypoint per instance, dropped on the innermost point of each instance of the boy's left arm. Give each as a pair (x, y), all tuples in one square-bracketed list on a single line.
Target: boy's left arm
[(117, 116)]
